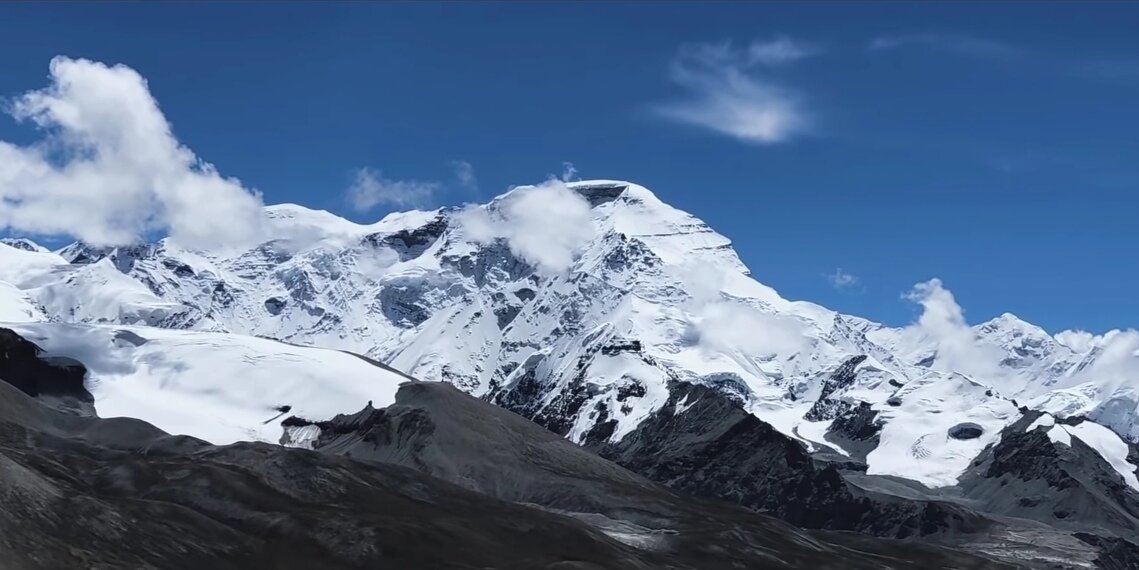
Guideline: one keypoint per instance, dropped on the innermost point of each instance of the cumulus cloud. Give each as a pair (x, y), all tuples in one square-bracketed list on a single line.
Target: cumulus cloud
[(546, 225), (841, 279), (943, 321), (465, 174), (108, 169), (369, 189), (1119, 353), (1077, 340), (729, 96), (1116, 359)]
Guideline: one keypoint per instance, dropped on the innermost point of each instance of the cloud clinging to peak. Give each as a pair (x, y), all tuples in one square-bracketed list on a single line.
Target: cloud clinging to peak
[(546, 225), (108, 169), (731, 91)]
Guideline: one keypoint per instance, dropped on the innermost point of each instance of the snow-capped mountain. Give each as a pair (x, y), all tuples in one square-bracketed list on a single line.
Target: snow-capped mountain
[(576, 305)]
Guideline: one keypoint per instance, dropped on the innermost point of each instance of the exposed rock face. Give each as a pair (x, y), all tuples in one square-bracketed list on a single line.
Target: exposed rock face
[(827, 408), (56, 381), (438, 430), (858, 423), (703, 443), (120, 494), (1114, 553), (84, 492), (1067, 485)]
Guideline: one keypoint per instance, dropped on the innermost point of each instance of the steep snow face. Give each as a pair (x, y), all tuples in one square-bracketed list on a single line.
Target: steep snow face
[(218, 387), (17, 307), (575, 306)]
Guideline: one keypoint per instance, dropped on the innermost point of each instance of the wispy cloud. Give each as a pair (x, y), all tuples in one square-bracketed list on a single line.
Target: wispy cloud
[(369, 189), (965, 45), (731, 91), (569, 172), (841, 279), (1111, 68), (108, 168), (781, 50), (465, 174)]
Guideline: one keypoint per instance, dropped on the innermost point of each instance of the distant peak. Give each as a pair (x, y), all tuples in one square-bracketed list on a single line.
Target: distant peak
[(24, 244), (294, 210), (1011, 322)]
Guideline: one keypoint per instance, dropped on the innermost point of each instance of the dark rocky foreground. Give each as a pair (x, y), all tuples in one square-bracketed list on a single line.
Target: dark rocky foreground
[(83, 492), (438, 430), (1024, 500), (474, 487)]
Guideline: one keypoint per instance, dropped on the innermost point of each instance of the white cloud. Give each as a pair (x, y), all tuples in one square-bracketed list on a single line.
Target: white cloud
[(465, 174), (1078, 341), (720, 324), (569, 172), (780, 50), (546, 225), (370, 189), (956, 44), (108, 169), (373, 262), (1117, 358), (728, 96), (943, 321), (841, 279), (726, 326)]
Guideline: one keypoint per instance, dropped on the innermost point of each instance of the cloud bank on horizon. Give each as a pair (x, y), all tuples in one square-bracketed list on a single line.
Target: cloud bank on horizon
[(545, 225)]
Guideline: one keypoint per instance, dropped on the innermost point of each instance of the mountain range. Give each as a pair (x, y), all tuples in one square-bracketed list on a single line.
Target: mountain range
[(675, 390)]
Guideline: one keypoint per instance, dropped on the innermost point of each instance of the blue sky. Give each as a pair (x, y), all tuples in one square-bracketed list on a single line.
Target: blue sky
[(993, 146)]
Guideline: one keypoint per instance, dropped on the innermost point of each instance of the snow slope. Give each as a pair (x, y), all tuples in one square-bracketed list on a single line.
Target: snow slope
[(16, 306), (218, 387), (581, 313)]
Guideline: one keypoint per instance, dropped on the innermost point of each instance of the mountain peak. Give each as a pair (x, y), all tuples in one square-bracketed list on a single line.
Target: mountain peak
[(24, 244), (1011, 323), (598, 192)]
